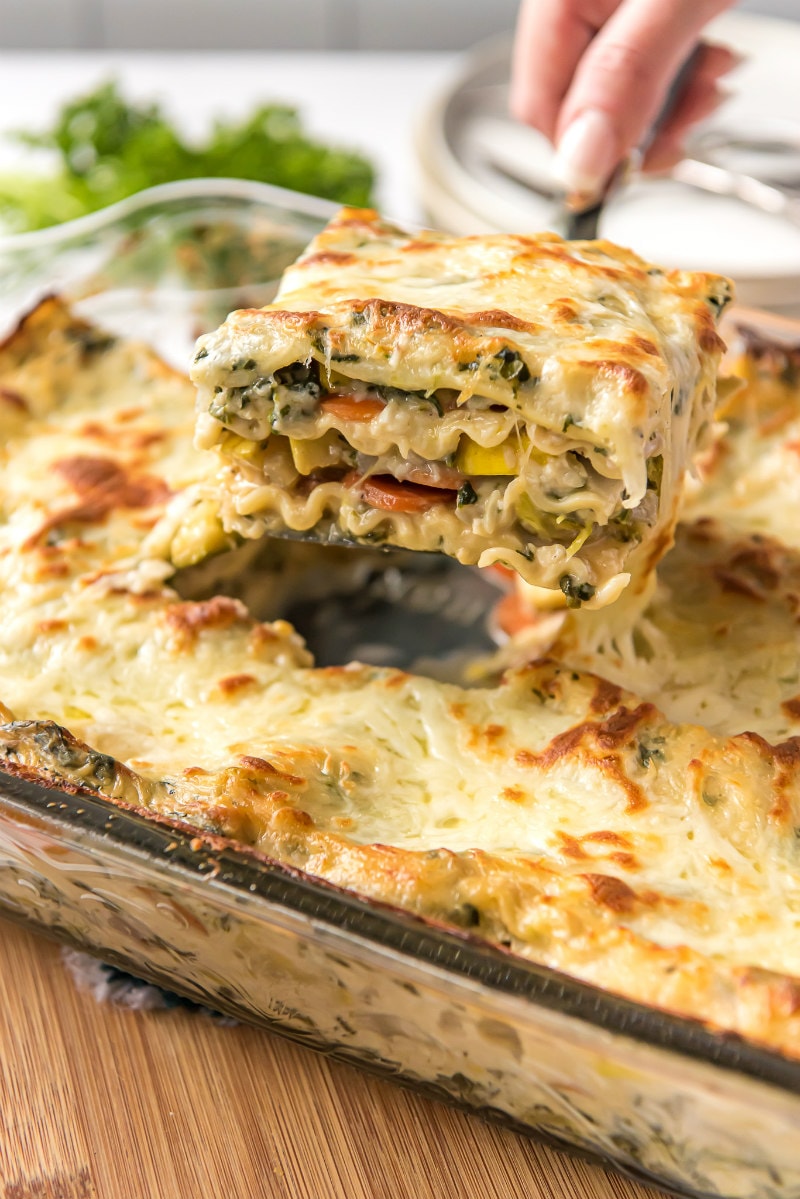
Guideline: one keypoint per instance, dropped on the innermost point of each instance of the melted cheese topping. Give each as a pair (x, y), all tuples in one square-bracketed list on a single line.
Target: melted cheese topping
[(715, 641), (580, 349), (557, 813)]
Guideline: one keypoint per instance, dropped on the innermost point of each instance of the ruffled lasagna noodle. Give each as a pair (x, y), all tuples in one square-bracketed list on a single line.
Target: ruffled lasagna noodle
[(515, 400)]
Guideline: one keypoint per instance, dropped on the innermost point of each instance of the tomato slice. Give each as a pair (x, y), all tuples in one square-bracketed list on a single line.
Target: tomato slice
[(390, 495), (352, 408)]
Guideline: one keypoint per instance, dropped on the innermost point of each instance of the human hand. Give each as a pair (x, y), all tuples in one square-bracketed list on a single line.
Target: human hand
[(592, 75)]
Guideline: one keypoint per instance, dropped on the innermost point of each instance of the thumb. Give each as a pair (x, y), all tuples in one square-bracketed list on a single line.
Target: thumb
[(621, 83)]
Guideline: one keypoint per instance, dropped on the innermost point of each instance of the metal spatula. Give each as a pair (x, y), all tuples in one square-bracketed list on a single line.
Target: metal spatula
[(580, 215)]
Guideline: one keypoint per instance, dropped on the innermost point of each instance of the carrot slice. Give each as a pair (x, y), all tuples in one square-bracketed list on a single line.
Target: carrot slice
[(390, 495), (505, 573), (445, 477), (513, 614), (352, 408)]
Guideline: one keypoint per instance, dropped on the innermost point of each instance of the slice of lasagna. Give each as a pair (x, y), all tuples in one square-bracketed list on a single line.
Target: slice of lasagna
[(516, 400)]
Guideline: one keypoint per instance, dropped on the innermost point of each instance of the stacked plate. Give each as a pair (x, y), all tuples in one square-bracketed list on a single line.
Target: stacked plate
[(734, 208)]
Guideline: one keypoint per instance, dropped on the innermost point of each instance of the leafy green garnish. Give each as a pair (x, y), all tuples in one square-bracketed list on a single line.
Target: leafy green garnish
[(108, 149)]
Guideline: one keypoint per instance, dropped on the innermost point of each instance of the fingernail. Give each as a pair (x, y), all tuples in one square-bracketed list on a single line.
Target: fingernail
[(587, 152)]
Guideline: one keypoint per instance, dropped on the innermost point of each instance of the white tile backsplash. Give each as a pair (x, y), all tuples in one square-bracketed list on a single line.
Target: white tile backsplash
[(268, 24)]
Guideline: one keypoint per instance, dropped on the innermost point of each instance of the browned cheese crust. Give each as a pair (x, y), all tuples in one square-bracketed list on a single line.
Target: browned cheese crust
[(560, 814)]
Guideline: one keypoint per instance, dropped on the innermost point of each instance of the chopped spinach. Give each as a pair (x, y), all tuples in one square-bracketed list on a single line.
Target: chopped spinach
[(651, 752), (512, 365), (576, 592)]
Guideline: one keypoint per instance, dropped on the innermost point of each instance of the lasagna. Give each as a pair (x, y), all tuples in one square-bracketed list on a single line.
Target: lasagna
[(516, 400), (636, 830)]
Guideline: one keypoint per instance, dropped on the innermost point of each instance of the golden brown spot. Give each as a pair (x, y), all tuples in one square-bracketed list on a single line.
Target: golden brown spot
[(359, 218), (628, 861), (413, 247), (785, 759), (776, 420), (563, 310), (571, 846), (235, 682), (643, 344), (499, 318), (631, 379), (108, 481), (490, 734), (607, 696), (737, 585), (708, 339), (783, 992), (87, 643), (722, 865), (128, 414), (194, 617), (457, 711), (102, 485), (791, 708), (612, 768), (612, 733), (609, 837), (584, 740), (786, 993), (51, 626), (611, 892), (133, 441), (757, 560), (262, 766), (13, 400), (513, 794), (787, 755), (94, 429), (326, 257), (290, 818), (262, 635), (50, 570), (397, 679)]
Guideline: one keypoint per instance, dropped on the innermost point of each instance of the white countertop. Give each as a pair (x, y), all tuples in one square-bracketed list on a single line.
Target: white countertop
[(366, 102), (372, 102)]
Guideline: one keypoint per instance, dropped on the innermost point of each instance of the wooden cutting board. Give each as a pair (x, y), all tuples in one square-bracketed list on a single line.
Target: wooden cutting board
[(97, 1102)]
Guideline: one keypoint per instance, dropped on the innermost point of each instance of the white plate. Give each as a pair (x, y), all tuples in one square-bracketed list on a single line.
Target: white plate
[(466, 131)]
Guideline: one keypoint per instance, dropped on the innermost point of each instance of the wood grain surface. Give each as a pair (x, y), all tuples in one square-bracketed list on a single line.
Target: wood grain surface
[(98, 1102)]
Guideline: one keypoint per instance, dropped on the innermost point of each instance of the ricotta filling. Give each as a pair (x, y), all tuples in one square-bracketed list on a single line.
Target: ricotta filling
[(312, 448)]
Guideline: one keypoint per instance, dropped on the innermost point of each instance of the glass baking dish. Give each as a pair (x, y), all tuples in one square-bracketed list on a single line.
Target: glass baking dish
[(659, 1097)]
